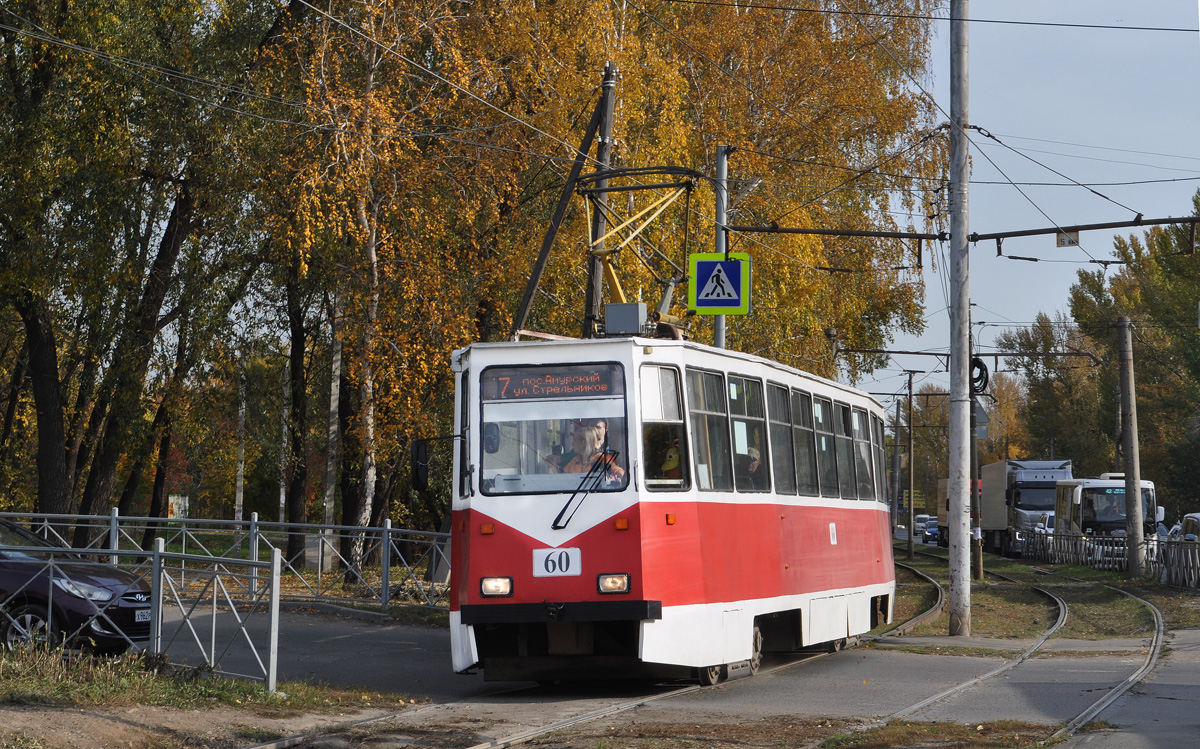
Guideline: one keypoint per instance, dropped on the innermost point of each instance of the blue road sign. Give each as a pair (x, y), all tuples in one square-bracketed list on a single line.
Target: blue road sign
[(719, 286)]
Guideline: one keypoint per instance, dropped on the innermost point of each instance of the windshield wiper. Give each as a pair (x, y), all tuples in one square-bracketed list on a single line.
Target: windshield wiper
[(596, 474)]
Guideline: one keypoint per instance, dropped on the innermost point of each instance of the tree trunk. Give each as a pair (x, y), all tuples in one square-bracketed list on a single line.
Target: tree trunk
[(297, 464), (351, 451), (366, 503), (158, 494), (54, 485), (132, 355)]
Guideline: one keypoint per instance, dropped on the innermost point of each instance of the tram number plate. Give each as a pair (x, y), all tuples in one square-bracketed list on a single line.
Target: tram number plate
[(557, 562)]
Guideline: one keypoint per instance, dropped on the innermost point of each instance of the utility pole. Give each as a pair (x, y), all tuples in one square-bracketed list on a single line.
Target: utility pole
[(897, 504), (1136, 554), (912, 513), (591, 314), (960, 381), (721, 191)]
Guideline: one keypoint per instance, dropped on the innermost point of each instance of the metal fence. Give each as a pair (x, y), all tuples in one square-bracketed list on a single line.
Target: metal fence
[(1174, 563), (374, 566), (54, 596)]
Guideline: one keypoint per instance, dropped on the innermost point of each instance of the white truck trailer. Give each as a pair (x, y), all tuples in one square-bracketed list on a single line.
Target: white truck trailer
[(1016, 494)]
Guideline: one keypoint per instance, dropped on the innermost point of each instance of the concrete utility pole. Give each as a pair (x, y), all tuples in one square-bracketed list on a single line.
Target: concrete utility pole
[(897, 504), (721, 191), (960, 379), (1136, 553), (912, 510)]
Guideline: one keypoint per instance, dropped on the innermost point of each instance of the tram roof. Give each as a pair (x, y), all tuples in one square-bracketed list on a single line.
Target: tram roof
[(635, 341)]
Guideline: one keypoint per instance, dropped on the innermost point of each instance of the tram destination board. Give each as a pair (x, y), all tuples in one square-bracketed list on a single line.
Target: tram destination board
[(575, 381)]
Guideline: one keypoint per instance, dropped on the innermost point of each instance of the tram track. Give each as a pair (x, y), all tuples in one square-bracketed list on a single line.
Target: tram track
[(1093, 710), (802, 658)]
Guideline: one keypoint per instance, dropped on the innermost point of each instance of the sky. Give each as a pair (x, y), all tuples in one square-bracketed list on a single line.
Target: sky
[(1096, 105)]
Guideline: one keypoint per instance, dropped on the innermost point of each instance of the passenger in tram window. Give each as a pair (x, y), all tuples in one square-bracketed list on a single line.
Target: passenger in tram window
[(559, 463), (748, 468), (593, 457), (756, 472), (601, 427)]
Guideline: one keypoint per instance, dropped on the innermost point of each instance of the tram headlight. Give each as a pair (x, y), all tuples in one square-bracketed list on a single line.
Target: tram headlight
[(496, 587), (613, 583)]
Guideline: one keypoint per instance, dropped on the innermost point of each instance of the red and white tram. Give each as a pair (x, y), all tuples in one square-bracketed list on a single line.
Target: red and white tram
[(645, 507)]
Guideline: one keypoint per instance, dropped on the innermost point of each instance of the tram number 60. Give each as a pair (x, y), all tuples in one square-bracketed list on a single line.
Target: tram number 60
[(557, 562)]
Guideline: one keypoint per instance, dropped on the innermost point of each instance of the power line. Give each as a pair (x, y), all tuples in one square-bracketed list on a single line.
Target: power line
[(1100, 148), (996, 21)]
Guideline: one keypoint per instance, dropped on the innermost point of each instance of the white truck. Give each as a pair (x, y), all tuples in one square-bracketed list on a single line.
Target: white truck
[(1016, 494)]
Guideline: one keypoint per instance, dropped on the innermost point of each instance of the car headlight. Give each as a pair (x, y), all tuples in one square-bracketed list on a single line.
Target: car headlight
[(496, 587), (83, 590), (613, 583)]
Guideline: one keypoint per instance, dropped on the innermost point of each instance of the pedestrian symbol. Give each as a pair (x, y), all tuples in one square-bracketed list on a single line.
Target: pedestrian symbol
[(718, 285)]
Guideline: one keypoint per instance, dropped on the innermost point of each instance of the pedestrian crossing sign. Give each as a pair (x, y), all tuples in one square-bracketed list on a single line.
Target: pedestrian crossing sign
[(719, 284)]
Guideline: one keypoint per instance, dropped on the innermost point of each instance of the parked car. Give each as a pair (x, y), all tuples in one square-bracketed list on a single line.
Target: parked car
[(931, 531), (85, 604)]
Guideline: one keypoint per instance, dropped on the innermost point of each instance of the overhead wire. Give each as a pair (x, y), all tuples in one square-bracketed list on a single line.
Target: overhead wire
[(1098, 194), (826, 11)]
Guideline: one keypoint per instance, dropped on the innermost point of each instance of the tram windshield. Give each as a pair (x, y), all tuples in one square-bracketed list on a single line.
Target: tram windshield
[(553, 429)]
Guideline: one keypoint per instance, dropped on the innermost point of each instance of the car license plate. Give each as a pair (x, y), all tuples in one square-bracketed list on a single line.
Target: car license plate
[(141, 615), (557, 562)]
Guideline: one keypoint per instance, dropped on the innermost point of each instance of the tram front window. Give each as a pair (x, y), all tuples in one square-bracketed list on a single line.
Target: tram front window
[(553, 429)]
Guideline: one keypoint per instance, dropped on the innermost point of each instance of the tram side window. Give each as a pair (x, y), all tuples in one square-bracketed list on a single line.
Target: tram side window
[(664, 435), (862, 453), (783, 459), (843, 432), (880, 459), (747, 416), (806, 445), (710, 430), (827, 464), (464, 444)]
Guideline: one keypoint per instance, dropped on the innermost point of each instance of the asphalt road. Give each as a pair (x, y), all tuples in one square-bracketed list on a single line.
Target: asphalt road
[(871, 683), (1164, 710)]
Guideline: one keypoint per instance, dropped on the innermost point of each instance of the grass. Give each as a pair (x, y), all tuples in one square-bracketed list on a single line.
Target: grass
[(1099, 613), (1004, 612), (786, 731), (1002, 733), (65, 678)]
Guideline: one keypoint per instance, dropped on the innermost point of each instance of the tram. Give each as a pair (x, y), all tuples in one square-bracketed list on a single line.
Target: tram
[(643, 507)]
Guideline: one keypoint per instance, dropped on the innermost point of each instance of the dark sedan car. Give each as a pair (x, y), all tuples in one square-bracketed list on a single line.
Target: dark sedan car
[(87, 604), (930, 532)]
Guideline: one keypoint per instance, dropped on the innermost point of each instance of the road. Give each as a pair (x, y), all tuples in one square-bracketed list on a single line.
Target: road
[(867, 683)]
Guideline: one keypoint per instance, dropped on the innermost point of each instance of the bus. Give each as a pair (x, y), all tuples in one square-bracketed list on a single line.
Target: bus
[(656, 508)]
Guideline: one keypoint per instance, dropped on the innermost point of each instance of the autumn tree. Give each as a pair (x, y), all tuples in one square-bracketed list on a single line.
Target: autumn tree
[(1158, 288), (1066, 401)]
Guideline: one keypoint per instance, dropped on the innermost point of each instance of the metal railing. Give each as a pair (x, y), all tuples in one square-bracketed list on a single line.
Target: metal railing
[(58, 601), (374, 566), (1170, 562)]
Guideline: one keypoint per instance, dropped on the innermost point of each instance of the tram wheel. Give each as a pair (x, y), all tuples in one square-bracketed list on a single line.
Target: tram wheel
[(756, 652), (712, 675)]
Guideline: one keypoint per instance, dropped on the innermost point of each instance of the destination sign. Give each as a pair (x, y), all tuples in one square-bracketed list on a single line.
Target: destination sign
[(578, 381)]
